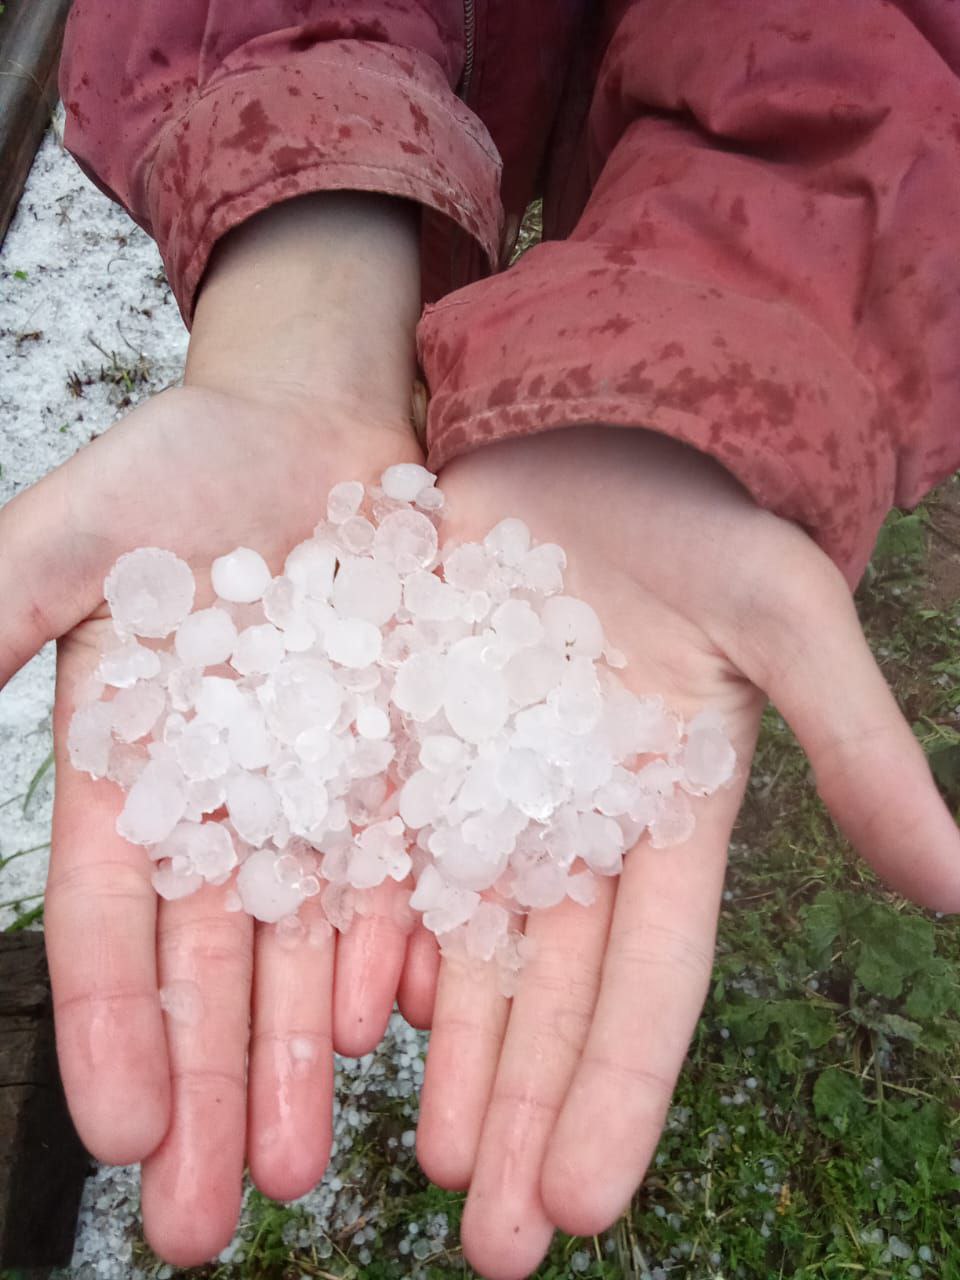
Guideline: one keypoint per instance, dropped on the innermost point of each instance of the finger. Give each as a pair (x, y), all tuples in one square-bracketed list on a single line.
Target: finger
[(469, 1020), (506, 1229), (418, 981), (100, 929), (192, 1183), (655, 976), (291, 1058), (869, 767), (369, 959)]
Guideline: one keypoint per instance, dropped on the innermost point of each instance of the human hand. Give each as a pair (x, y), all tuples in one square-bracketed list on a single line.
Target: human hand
[(282, 401), (549, 1109)]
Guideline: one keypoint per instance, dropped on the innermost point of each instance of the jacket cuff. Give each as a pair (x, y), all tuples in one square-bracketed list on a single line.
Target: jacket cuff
[(352, 115), (579, 333)]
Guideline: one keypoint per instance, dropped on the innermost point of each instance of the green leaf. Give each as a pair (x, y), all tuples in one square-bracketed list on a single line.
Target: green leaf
[(892, 948), (902, 537), (837, 1101), (20, 275), (933, 993), (902, 1028), (822, 924)]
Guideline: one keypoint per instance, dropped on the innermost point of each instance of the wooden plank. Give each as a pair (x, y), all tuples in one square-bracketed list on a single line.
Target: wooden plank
[(31, 32), (42, 1164)]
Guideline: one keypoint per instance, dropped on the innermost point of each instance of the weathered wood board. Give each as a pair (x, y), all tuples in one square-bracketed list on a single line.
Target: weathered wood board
[(42, 1164)]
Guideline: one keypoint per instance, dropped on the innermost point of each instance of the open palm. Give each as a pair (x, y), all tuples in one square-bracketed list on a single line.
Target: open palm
[(198, 472), (549, 1108)]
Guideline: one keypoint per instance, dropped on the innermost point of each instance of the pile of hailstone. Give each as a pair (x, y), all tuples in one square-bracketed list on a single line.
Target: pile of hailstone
[(384, 708)]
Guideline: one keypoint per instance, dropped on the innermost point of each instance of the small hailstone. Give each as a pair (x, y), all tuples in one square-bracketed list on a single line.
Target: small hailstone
[(674, 822), (541, 569), (219, 701), (356, 535), (172, 884), (516, 623), (259, 649), (366, 589), (135, 711), (707, 758), (407, 540), (154, 804), (530, 674), (206, 845), (88, 739), (353, 642), (420, 686), (310, 568), (253, 806), (344, 500), (509, 541), (206, 638), (441, 753), (123, 666), (485, 930), (430, 499), (469, 567), (406, 480), (373, 722), (475, 701), (263, 893), (241, 576), (183, 686), (249, 741), (150, 592), (201, 752), (571, 625)]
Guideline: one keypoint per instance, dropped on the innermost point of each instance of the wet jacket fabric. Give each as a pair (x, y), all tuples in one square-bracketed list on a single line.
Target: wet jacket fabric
[(751, 208)]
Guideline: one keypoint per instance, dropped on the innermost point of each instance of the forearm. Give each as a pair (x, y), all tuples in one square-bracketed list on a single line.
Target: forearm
[(315, 300)]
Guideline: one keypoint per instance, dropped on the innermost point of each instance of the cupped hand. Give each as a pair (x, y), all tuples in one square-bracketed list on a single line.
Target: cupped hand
[(197, 471), (548, 1109)]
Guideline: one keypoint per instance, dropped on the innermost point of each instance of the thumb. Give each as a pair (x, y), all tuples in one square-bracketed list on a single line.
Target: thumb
[(810, 656), (51, 571)]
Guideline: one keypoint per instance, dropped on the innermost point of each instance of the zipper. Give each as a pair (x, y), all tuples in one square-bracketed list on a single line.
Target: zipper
[(470, 41)]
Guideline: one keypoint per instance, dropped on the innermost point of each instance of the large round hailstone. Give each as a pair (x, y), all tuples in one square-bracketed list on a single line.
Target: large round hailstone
[(206, 638), (241, 576), (404, 481), (407, 540), (263, 894), (366, 589), (150, 591), (570, 624)]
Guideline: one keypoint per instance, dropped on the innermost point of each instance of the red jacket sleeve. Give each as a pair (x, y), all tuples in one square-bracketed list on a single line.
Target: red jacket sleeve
[(196, 115), (768, 266)]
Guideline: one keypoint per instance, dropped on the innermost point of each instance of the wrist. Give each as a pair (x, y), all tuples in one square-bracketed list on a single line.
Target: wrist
[(314, 302)]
